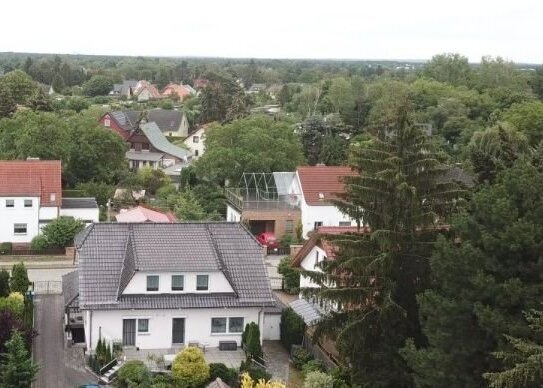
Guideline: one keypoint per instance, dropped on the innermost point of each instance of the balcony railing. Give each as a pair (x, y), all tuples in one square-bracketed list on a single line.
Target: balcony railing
[(253, 200)]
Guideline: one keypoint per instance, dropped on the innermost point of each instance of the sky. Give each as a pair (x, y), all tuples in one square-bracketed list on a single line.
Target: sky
[(338, 29)]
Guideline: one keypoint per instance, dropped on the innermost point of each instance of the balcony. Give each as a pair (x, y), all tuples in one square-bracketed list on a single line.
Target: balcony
[(255, 199)]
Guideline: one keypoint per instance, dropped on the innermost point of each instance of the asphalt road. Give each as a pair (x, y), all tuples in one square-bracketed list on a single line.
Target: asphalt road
[(59, 367)]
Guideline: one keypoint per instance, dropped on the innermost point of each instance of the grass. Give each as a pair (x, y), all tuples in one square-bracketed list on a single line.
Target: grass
[(295, 379)]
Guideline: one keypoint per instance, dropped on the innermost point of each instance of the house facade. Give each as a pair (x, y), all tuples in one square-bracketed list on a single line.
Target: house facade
[(319, 185), (163, 286), (196, 142), (146, 91), (31, 197)]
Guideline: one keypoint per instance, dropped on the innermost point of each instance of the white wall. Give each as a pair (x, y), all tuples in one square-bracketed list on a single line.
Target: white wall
[(138, 285), (48, 213), (200, 146), (197, 326), (329, 215), (308, 264), (232, 214), (9, 216), (89, 215)]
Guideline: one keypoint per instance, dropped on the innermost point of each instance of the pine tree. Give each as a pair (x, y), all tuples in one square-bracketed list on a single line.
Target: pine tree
[(4, 283), (376, 276), (17, 369), (19, 279)]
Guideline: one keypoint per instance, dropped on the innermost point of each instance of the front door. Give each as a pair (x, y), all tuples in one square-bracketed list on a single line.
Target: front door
[(129, 332), (178, 330)]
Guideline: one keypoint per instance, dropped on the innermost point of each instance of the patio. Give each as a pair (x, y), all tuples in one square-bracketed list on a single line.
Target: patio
[(230, 358)]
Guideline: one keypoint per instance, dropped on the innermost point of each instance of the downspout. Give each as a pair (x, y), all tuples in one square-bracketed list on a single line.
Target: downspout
[(261, 324)]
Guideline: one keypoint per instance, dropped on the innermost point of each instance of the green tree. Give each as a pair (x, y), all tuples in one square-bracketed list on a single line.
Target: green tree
[(4, 283), (378, 274), (450, 68), (189, 368), (58, 83), (19, 279), (61, 232), (291, 276), (318, 379), (481, 286), (151, 179), (252, 144), (187, 207), (17, 369), (133, 374), (102, 191), (40, 101), (20, 85), (7, 102), (97, 85), (340, 95), (527, 117), (253, 348)]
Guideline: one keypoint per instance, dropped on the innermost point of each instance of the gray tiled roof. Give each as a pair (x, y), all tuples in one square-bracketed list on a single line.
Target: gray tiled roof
[(166, 120), (110, 253), (70, 288), (217, 383), (144, 155), (159, 141), (79, 203)]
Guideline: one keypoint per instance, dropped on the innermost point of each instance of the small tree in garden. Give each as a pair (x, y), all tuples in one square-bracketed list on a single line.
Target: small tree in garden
[(189, 368), (253, 348), (61, 232), (19, 279), (4, 283), (133, 374), (17, 368), (291, 276), (248, 382), (318, 380)]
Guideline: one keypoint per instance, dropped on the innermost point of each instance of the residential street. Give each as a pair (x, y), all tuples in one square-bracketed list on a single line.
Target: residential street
[(59, 367)]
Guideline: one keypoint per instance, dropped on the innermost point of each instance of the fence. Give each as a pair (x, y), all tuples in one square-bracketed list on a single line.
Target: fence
[(47, 287), (282, 251), (277, 283), (42, 252)]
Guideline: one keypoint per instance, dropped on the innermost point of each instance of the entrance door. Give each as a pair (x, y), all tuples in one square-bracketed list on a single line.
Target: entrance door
[(129, 332), (178, 330)]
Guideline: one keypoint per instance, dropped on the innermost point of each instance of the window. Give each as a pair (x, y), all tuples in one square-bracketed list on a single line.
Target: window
[(196, 153), (19, 228), (195, 139), (52, 197), (316, 259), (202, 282), (145, 146), (107, 123), (28, 203), (218, 325), (289, 226), (177, 282), (235, 325), (152, 283), (344, 223), (10, 203), (143, 325), (317, 224)]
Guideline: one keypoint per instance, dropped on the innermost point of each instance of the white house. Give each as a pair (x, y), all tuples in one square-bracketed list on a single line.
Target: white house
[(196, 142), (31, 197), (162, 286), (319, 185)]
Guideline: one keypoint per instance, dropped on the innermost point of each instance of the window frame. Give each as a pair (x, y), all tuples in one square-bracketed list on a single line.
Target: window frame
[(18, 225), (225, 325), (139, 330), (207, 283), (195, 139), (27, 201), (147, 283), (182, 283), (289, 226), (241, 326), (344, 224), (10, 203), (317, 225)]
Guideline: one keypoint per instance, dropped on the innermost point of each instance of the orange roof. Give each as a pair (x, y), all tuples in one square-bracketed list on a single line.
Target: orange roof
[(143, 214), (180, 90), (142, 85), (41, 178), (320, 183)]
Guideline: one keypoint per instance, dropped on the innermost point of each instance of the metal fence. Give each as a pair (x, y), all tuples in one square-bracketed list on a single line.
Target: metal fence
[(47, 287), (281, 251)]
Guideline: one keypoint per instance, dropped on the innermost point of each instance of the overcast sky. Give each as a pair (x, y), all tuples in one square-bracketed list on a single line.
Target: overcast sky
[(356, 29)]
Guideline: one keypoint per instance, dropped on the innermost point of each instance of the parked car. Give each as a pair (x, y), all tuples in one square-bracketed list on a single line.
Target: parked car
[(268, 240)]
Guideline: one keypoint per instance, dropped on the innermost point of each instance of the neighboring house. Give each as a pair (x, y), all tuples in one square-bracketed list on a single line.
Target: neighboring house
[(149, 147), (143, 214), (182, 91), (146, 91), (266, 202), (162, 286), (256, 88), (274, 90), (196, 142), (31, 197), (200, 83), (270, 110), (171, 122), (319, 185), (126, 89)]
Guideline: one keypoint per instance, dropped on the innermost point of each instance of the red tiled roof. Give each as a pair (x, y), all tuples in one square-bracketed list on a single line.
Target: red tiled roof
[(143, 214), (41, 178), (180, 90), (320, 183), (319, 239)]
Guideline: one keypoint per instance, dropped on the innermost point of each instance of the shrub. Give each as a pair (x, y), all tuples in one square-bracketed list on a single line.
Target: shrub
[(253, 348), (248, 382), (228, 375), (290, 275), (254, 371), (318, 380), (61, 232), (341, 376), (300, 357), (4, 283), (5, 248), (133, 374), (13, 303), (292, 328), (19, 279), (39, 243), (189, 368), (313, 366)]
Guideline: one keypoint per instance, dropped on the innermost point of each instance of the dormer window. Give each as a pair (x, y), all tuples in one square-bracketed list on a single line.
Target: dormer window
[(152, 283), (321, 196), (53, 197), (202, 282), (178, 282)]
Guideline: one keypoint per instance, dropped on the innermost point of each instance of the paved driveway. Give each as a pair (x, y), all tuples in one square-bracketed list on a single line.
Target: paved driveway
[(59, 367)]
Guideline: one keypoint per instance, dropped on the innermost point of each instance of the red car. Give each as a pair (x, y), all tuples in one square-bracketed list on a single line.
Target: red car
[(268, 240)]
